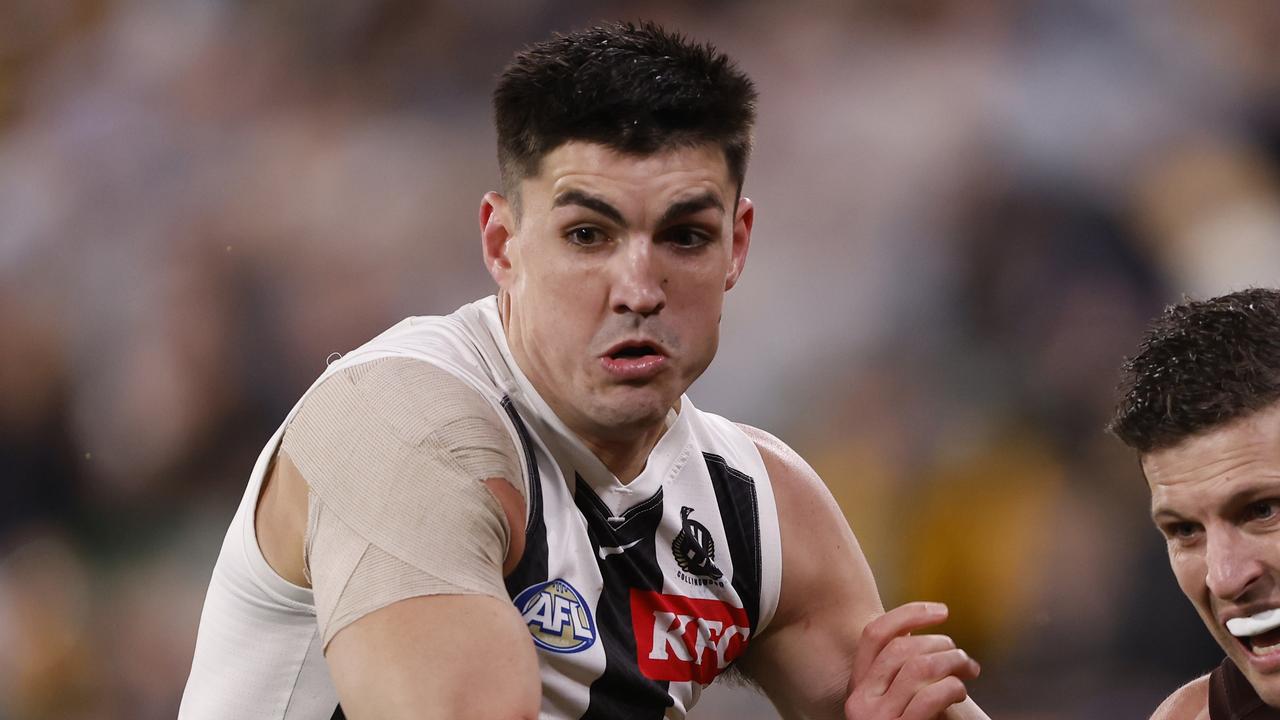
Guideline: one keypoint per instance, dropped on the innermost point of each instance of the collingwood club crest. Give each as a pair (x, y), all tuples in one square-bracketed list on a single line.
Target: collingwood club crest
[(695, 552)]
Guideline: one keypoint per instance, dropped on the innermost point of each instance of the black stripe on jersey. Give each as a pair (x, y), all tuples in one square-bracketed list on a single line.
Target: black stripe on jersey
[(740, 513), (623, 691), (532, 567)]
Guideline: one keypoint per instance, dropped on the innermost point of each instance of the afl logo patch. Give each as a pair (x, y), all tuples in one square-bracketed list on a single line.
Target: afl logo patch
[(557, 616)]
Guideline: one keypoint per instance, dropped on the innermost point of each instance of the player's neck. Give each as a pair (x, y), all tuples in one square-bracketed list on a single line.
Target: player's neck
[(625, 457)]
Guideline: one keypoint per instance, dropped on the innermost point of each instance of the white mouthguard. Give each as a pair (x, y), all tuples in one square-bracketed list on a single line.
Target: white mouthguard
[(1254, 624)]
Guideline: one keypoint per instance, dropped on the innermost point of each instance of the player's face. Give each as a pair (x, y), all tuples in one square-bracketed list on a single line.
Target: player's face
[(614, 278), (1216, 498)]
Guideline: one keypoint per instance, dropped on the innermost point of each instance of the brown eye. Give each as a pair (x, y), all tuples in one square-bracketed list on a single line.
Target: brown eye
[(585, 236), (687, 237), (1261, 510), (1183, 532)]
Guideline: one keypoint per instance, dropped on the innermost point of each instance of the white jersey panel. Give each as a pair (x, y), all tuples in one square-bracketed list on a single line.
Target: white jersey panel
[(737, 447), (258, 649)]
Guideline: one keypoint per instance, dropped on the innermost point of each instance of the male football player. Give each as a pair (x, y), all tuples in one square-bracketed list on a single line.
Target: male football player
[(1201, 405)]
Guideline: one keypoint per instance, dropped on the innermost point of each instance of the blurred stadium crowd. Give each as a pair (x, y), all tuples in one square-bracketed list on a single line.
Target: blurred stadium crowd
[(967, 210)]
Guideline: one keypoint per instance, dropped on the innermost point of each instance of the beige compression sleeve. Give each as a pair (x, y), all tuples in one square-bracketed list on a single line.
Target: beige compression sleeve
[(395, 452)]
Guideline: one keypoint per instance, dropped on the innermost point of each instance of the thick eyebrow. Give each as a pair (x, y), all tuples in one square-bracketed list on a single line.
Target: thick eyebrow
[(1158, 514), (590, 202), (1233, 503), (693, 205), (677, 210)]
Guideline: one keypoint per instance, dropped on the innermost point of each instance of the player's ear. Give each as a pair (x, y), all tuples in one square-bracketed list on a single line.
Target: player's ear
[(497, 227), (744, 216)]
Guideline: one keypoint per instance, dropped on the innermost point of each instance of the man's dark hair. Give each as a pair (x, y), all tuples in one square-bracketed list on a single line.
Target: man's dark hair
[(637, 89), (1200, 365)]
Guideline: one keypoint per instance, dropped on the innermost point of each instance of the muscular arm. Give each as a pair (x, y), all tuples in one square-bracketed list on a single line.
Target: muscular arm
[(455, 656), (424, 652), (803, 660), (830, 624)]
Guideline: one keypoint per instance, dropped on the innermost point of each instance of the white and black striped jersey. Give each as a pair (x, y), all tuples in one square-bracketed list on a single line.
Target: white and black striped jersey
[(636, 596)]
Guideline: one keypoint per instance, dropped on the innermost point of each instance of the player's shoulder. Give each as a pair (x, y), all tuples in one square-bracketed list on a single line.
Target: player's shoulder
[(1189, 702), (406, 395), (392, 376), (794, 481), (780, 459)]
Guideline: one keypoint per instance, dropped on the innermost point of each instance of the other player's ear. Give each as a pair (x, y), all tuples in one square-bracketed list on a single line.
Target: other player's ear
[(743, 218), (496, 230)]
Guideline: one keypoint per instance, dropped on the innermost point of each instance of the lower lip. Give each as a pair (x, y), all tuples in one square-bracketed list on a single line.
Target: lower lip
[(634, 368), (1268, 663)]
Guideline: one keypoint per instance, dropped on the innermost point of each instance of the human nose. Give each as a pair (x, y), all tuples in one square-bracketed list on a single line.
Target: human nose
[(638, 281), (1233, 565)]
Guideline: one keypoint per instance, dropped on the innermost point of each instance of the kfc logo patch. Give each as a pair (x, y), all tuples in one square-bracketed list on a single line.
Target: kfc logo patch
[(680, 638)]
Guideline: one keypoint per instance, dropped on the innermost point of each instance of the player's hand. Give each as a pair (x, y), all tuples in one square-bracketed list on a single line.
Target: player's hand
[(897, 675)]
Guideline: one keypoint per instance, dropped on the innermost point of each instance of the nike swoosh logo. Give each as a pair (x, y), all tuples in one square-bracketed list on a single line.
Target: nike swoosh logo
[(607, 551)]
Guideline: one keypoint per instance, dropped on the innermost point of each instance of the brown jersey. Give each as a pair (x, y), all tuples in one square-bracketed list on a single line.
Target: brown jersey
[(1231, 697)]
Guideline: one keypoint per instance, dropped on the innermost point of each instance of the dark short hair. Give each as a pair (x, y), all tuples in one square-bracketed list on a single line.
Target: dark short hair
[(1200, 365), (637, 89)]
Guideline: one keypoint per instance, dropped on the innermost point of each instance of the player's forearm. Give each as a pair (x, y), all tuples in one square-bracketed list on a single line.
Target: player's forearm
[(967, 710)]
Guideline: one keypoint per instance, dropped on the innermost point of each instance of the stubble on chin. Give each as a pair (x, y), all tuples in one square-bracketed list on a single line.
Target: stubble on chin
[(1267, 687), (616, 416)]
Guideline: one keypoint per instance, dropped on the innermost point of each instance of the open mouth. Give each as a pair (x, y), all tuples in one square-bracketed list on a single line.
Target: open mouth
[(634, 351), (1264, 644), (634, 361), (1259, 633)]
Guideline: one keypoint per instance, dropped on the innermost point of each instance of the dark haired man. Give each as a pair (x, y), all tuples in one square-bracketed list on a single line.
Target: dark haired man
[(1201, 405), (514, 511)]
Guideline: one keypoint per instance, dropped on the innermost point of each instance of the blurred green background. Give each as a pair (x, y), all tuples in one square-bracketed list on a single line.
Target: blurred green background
[(967, 211)]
